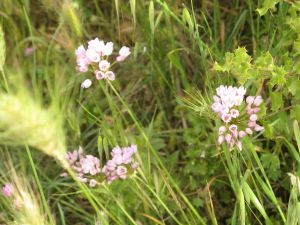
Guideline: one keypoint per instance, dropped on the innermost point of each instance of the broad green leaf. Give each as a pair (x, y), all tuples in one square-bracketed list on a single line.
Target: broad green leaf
[(276, 100), (267, 5), (271, 163)]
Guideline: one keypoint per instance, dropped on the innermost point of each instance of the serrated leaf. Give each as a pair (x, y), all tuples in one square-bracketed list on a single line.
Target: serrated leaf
[(276, 100), (271, 163), (266, 6)]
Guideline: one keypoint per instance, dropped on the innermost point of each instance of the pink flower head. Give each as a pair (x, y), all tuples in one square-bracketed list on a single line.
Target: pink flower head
[(86, 83), (123, 54), (8, 190)]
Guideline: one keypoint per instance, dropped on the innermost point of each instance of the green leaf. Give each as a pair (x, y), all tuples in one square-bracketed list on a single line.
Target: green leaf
[(277, 101), (271, 163), (278, 76), (267, 5), (151, 17), (186, 17), (2, 48)]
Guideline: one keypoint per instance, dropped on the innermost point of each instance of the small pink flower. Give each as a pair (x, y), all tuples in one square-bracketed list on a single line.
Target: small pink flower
[(216, 106), (121, 171), (104, 65), (108, 49), (242, 134), (234, 130), (93, 183), (252, 124), (234, 113), (28, 51), (135, 165), (123, 54), (256, 110), (86, 83), (240, 145), (226, 118), (116, 151), (8, 190), (258, 100), (64, 174), (222, 130), (221, 139), (99, 75), (96, 45), (92, 55), (80, 52), (249, 131), (250, 100), (110, 75), (216, 99), (228, 138), (258, 128), (253, 117)]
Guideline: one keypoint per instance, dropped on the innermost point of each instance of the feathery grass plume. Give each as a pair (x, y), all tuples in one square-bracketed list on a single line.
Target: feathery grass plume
[(198, 102), (25, 122), (24, 204)]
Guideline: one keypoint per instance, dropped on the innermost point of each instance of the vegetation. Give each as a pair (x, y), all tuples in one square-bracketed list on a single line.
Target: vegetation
[(161, 100)]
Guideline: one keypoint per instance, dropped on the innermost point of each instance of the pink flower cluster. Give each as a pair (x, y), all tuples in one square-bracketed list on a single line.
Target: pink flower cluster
[(8, 190), (239, 120), (84, 166), (87, 167), (120, 164), (96, 56)]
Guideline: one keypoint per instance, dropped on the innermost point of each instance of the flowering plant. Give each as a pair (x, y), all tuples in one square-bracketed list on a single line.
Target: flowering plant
[(96, 56), (239, 117), (87, 168)]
